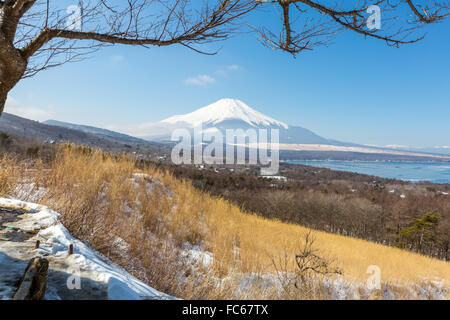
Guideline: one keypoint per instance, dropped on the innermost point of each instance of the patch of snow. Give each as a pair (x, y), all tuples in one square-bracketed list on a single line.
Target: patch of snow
[(30, 192), (197, 255), (151, 182), (281, 178), (55, 240)]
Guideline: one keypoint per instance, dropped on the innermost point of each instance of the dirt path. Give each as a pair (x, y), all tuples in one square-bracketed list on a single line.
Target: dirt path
[(17, 241), (22, 225)]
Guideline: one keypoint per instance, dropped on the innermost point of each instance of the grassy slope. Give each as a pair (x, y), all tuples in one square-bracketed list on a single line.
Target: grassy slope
[(100, 200)]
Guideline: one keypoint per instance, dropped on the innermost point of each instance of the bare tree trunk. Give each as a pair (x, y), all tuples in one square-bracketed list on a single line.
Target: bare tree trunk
[(3, 97), (12, 68), (5, 86)]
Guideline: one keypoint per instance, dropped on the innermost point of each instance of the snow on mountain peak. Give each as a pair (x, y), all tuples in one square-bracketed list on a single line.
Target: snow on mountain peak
[(226, 109)]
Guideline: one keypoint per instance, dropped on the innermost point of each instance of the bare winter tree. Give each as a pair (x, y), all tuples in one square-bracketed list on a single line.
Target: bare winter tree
[(39, 34), (36, 35)]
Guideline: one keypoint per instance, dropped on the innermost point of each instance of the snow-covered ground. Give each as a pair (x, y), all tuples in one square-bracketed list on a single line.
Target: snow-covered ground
[(86, 274)]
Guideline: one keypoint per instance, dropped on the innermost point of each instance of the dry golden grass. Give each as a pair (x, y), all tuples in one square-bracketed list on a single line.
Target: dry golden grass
[(102, 200), (7, 166)]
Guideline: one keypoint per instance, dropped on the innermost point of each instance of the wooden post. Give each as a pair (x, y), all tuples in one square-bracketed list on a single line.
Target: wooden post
[(36, 246), (32, 284), (70, 249)]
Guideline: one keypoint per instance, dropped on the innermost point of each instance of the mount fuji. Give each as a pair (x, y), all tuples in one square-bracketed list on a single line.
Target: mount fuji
[(233, 114), (227, 110)]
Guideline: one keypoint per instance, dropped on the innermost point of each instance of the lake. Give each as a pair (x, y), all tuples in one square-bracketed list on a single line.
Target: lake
[(436, 172)]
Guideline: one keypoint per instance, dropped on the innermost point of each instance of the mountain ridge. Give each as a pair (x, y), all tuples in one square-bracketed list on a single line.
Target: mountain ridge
[(224, 110), (93, 130), (30, 129), (222, 115)]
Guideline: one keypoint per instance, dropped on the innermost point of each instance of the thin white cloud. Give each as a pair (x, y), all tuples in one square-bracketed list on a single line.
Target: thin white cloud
[(204, 79), (141, 129), (200, 80), (223, 72), (396, 146), (29, 112), (442, 147), (116, 59), (371, 145), (390, 146)]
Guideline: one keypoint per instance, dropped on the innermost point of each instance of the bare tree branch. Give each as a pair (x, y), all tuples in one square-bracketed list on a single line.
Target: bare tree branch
[(323, 22), (40, 34)]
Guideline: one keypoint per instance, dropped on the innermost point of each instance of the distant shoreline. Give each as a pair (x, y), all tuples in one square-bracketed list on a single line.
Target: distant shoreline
[(330, 148), (408, 171), (356, 160)]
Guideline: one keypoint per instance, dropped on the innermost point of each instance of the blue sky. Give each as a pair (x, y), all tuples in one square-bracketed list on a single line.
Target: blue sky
[(355, 90)]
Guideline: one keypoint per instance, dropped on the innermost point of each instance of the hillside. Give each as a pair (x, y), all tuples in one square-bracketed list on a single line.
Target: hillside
[(54, 133), (97, 131), (160, 219)]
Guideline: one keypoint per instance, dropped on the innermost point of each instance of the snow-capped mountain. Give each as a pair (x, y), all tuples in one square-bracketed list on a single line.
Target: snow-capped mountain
[(232, 114), (226, 110), (235, 114)]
